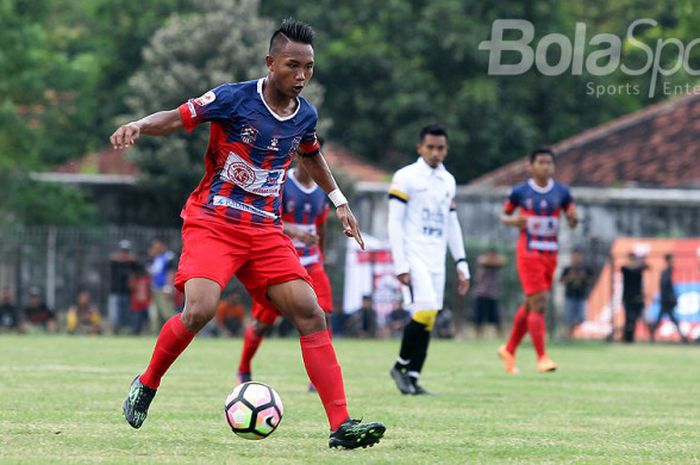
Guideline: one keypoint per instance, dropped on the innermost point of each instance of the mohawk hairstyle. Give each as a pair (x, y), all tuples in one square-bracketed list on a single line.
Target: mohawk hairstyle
[(292, 30)]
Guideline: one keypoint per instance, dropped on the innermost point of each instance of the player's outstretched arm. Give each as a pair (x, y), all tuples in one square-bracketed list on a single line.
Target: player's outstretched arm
[(155, 124), (315, 164)]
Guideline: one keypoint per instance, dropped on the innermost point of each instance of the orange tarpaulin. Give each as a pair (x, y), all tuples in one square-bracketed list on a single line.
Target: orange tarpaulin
[(604, 311)]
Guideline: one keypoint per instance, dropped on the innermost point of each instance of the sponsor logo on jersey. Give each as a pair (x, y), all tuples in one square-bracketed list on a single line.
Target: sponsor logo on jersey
[(240, 173), (221, 201), (273, 145), (295, 145), (249, 134), (205, 99), (256, 180), (273, 178), (193, 110)]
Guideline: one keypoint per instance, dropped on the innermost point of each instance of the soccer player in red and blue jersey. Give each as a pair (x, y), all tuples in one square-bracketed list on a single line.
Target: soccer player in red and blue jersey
[(540, 201), (233, 224), (304, 214)]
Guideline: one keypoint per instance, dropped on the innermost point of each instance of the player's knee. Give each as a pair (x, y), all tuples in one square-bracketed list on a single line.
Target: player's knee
[(308, 320), (198, 311), (261, 329)]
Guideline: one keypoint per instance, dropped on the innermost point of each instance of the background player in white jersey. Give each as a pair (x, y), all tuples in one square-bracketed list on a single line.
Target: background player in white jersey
[(422, 224)]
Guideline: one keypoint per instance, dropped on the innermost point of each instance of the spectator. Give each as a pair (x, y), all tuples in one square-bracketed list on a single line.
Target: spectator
[(161, 270), (667, 300), (9, 315), (444, 324), (231, 314), (121, 266), (37, 316), (83, 317), (632, 293), (577, 278), (397, 319), (364, 320), (488, 290), (140, 287)]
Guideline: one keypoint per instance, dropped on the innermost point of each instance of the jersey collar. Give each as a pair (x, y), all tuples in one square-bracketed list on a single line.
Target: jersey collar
[(427, 168), (541, 190), (306, 190), (277, 117)]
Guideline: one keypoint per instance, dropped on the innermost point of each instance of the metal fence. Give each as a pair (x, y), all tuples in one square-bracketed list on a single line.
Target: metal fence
[(63, 261)]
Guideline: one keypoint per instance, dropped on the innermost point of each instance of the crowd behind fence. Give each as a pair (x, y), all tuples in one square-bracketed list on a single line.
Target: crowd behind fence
[(64, 261)]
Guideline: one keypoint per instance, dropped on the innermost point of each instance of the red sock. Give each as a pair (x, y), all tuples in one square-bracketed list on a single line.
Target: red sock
[(536, 326), (172, 341), (519, 329), (251, 342), (324, 372)]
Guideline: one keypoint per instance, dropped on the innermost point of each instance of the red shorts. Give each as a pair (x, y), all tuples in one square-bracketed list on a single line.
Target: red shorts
[(259, 256), (265, 312), (536, 271)]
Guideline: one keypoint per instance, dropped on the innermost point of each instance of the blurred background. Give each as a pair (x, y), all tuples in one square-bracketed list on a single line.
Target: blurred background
[(71, 72)]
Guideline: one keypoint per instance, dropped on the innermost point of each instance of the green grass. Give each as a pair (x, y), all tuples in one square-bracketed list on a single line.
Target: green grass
[(609, 404)]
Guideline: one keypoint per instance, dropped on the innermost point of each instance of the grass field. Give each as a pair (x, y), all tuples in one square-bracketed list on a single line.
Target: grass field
[(608, 404)]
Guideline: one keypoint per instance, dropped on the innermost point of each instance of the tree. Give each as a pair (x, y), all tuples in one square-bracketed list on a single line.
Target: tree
[(224, 41)]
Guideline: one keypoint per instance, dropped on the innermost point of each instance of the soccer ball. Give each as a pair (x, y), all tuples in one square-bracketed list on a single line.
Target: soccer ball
[(253, 410)]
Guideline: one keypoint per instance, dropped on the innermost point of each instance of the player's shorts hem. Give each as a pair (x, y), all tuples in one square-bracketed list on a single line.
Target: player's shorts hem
[(180, 281)]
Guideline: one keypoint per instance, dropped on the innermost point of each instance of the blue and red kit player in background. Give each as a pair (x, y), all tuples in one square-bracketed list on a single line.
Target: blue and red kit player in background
[(233, 225), (304, 213), (540, 201)]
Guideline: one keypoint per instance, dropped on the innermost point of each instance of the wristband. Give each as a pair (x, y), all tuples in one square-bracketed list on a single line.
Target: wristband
[(337, 198), (463, 266)]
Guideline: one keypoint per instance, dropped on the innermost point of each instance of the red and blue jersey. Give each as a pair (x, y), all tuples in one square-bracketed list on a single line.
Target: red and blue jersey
[(250, 149), (541, 207), (305, 209)]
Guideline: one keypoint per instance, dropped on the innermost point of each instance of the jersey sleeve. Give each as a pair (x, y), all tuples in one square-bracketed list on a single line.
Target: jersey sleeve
[(309, 144), (567, 200), (512, 202), (399, 189), (216, 104)]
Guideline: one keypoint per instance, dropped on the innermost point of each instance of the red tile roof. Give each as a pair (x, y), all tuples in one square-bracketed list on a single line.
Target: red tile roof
[(111, 162), (351, 165), (658, 146), (108, 161)]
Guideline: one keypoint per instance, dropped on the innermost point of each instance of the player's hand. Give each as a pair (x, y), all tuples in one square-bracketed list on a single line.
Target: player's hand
[(572, 220), (308, 238), (519, 221), (126, 135), (462, 283), (350, 226), (404, 278)]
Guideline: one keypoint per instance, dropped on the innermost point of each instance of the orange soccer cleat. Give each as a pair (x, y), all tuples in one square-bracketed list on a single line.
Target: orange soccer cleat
[(545, 364), (508, 361)]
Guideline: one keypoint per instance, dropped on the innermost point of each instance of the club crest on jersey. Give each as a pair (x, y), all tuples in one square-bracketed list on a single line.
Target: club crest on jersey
[(249, 134), (241, 174), (543, 204), (272, 179), (205, 99)]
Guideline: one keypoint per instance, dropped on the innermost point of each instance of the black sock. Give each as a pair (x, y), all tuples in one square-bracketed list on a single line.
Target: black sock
[(411, 335), (421, 352)]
